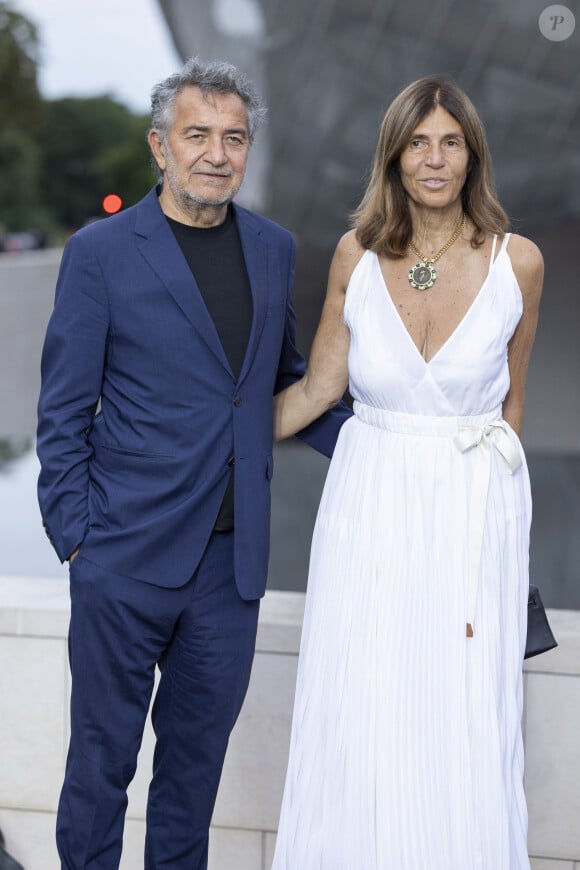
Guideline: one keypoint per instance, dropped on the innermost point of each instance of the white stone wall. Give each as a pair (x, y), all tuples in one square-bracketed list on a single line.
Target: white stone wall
[(34, 688)]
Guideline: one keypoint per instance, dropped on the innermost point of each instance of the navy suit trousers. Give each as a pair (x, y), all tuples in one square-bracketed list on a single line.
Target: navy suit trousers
[(202, 637)]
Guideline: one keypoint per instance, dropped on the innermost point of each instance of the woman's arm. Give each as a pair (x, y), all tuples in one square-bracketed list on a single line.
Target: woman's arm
[(528, 266), (326, 378)]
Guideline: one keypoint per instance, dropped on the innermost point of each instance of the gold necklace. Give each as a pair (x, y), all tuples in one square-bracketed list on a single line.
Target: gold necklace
[(423, 275)]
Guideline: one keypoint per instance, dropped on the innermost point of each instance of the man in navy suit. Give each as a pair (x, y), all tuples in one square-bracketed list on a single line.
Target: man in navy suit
[(173, 327)]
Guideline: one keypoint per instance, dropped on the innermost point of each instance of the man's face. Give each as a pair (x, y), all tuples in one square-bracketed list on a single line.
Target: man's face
[(204, 154)]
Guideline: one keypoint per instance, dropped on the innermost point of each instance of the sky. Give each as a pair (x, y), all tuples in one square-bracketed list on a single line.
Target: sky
[(94, 47)]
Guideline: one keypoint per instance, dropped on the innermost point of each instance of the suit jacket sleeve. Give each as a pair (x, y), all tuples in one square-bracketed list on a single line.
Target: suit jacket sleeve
[(323, 432), (72, 370)]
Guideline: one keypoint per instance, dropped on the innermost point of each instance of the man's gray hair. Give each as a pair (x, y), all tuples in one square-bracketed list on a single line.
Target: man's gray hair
[(212, 77)]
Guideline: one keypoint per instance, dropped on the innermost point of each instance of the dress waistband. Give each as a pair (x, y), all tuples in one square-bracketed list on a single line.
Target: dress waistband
[(420, 424), (479, 433)]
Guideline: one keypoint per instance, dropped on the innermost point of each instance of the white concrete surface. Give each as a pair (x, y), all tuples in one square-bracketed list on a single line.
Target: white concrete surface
[(34, 687)]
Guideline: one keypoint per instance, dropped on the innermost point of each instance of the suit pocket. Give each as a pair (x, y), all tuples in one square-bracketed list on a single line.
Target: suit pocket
[(137, 454)]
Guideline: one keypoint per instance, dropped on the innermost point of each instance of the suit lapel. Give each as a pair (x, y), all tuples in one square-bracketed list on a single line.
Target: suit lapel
[(256, 256), (161, 250)]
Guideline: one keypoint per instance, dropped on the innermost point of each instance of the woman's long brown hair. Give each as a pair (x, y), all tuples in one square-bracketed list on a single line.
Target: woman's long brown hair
[(383, 220)]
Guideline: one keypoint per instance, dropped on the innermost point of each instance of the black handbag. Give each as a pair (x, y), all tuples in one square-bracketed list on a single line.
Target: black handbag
[(539, 638)]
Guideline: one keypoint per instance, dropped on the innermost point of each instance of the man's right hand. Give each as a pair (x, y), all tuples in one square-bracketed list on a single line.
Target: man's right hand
[(73, 556)]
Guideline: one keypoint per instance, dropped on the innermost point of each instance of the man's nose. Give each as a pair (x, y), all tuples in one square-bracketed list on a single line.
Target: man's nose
[(215, 151)]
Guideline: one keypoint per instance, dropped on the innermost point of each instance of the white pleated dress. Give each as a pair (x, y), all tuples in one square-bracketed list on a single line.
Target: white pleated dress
[(406, 749)]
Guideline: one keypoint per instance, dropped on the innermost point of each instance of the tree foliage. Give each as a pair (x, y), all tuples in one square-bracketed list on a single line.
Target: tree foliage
[(92, 147), (59, 158), (20, 202), (20, 101), (21, 115)]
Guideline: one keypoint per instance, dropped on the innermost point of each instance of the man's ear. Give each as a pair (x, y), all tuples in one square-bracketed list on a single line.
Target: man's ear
[(157, 147)]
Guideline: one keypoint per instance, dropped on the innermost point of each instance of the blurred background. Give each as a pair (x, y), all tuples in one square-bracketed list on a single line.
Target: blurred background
[(74, 94)]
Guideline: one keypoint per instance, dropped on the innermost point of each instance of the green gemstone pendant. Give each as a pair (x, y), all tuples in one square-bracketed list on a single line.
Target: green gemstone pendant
[(422, 276)]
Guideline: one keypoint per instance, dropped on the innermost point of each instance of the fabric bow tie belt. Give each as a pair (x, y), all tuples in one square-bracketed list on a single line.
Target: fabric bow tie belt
[(483, 438)]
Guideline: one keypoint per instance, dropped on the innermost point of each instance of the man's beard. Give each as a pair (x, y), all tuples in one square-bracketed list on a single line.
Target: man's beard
[(189, 200)]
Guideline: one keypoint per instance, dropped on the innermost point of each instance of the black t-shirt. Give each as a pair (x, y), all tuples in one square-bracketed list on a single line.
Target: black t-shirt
[(216, 259)]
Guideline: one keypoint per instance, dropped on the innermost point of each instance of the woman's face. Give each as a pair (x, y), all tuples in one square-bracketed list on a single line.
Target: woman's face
[(434, 163)]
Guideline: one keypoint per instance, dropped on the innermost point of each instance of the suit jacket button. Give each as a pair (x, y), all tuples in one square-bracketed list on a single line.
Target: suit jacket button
[(231, 462), (237, 401)]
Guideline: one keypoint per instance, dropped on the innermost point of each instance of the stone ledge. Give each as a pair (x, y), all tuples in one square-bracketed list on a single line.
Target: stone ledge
[(39, 607), (34, 606), (34, 614)]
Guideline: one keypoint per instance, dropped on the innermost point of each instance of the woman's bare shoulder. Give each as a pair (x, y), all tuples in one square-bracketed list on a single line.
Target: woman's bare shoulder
[(528, 266), (346, 258), (526, 258)]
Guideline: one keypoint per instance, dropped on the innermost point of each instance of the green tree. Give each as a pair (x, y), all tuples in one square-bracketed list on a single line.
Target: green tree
[(128, 165), (20, 204), (58, 159), (92, 147), (21, 114), (21, 105)]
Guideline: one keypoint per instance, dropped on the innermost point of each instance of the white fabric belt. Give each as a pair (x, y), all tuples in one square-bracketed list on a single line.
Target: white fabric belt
[(483, 438), (480, 432), (420, 424)]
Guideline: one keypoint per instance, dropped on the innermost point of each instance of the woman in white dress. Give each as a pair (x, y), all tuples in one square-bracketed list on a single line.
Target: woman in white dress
[(406, 749)]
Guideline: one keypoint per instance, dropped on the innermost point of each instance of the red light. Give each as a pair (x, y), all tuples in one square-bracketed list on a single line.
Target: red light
[(112, 203)]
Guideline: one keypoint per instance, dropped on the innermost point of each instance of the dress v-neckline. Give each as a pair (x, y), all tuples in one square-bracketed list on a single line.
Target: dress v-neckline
[(459, 326)]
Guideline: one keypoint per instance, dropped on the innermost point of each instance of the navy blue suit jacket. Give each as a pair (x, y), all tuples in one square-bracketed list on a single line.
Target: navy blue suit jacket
[(140, 416)]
